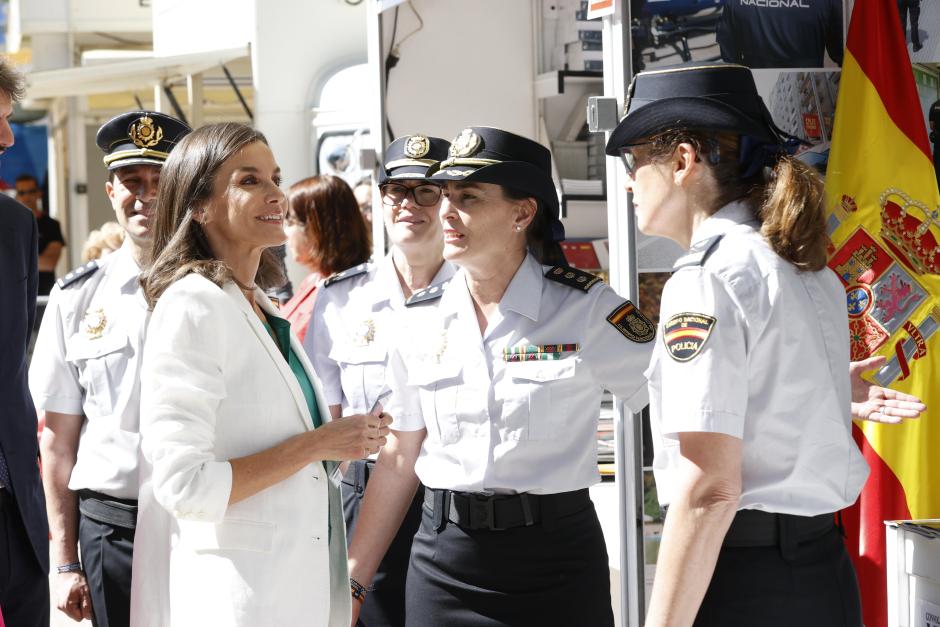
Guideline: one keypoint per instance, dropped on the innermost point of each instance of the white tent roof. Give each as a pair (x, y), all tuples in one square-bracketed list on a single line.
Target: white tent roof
[(125, 75)]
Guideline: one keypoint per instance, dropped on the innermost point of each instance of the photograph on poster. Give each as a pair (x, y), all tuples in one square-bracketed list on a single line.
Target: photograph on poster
[(927, 79), (668, 32), (803, 104)]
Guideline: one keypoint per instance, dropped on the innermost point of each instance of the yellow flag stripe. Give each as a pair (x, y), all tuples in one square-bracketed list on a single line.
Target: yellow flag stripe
[(872, 156)]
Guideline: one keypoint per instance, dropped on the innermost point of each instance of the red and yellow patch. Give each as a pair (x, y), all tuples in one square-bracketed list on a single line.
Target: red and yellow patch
[(685, 334), (631, 322)]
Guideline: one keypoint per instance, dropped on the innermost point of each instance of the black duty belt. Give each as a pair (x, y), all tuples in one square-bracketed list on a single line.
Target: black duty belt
[(497, 512), (108, 509), (754, 528)]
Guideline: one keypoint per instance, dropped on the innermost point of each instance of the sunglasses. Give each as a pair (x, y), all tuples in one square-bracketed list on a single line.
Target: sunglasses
[(27, 192), (629, 159), (426, 195)]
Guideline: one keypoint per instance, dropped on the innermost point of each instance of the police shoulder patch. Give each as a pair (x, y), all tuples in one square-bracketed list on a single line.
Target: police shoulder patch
[(78, 274), (631, 322), (427, 294), (685, 334), (572, 277), (362, 268), (698, 253)]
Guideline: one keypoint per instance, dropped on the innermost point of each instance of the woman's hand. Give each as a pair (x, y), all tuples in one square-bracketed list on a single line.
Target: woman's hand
[(350, 437), (878, 404)]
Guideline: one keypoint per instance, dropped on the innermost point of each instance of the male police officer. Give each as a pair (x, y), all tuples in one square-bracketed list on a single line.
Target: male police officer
[(85, 376)]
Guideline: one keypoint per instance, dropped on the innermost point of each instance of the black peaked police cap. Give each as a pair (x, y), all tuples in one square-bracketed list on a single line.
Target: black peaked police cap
[(139, 137), (704, 96), (410, 157), (482, 154)]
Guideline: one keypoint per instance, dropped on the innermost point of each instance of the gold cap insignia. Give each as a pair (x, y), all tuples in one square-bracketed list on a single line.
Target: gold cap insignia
[(417, 146), (465, 144), (144, 133)]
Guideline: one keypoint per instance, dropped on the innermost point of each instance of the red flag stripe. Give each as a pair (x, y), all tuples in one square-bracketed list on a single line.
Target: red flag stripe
[(883, 64), (883, 499)]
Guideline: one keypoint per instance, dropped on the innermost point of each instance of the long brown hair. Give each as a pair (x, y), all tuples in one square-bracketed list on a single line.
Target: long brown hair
[(538, 235), (327, 208), (789, 202), (180, 246)]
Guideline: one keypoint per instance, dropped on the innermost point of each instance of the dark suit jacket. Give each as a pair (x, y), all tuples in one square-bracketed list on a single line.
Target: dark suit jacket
[(18, 284)]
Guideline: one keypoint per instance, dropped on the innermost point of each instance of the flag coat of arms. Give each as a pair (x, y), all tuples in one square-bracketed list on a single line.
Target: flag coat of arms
[(884, 223)]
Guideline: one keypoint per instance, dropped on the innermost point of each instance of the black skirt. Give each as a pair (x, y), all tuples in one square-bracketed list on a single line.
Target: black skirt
[(541, 576), (814, 587)]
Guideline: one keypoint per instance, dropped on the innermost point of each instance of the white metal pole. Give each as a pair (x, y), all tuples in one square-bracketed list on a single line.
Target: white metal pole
[(623, 277), (377, 116)]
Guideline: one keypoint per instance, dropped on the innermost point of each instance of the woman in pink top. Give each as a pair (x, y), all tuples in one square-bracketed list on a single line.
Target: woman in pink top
[(325, 233)]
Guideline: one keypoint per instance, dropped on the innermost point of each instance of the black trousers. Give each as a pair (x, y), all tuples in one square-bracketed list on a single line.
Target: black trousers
[(24, 587), (385, 605), (815, 586), (107, 553), (912, 7), (554, 574)]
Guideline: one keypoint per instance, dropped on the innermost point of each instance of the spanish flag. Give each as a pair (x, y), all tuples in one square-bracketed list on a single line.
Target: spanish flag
[(881, 192)]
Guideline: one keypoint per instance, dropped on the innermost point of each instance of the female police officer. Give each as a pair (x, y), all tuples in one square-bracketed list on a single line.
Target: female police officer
[(354, 325), (748, 385), (495, 395)]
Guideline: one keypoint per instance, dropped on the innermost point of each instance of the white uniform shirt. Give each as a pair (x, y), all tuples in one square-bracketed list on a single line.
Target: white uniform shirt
[(352, 325), (754, 349), (86, 361), (498, 425)]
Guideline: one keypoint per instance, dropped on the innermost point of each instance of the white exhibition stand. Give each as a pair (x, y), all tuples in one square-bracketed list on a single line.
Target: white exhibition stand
[(913, 569)]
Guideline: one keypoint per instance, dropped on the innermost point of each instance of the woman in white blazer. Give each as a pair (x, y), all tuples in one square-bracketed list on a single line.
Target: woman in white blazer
[(233, 420)]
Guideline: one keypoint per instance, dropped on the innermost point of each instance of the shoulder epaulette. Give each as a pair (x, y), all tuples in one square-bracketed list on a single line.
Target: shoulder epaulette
[(78, 274), (698, 253), (572, 277), (349, 273), (428, 293)]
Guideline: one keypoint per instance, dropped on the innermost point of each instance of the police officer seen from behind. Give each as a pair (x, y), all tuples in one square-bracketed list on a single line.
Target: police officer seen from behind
[(781, 33), (354, 326), (495, 398), (912, 8), (749, 386), (84, 375)]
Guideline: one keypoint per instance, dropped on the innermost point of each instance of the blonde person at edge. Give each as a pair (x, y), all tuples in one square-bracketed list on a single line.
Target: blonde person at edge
[(233, 420), (749, 381), (356, 321)]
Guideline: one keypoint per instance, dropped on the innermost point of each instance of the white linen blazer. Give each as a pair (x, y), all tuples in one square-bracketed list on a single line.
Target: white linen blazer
[(216, 387)]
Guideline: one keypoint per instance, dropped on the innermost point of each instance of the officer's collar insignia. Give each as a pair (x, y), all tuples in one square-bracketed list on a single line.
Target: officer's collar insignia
[(364, 333), (699, 252), (94, 323), (362, 268), (144, 133), (77, 274), (686, 333), (417, 146), (539, 352), (572, 277), (465, 144), (429, 293), (631, 322)]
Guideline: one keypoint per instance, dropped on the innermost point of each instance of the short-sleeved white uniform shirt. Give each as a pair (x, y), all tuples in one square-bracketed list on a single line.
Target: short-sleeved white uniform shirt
[(87, 361), (351, 327), (515, 409), (753, 348)]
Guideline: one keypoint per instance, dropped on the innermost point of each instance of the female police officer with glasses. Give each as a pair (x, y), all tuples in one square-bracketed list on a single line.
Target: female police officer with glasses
[(354, 324), (749, 380), (495, 397)]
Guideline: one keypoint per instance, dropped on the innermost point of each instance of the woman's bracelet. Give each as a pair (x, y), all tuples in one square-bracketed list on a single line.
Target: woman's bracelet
[(358, 590), (69, 568)]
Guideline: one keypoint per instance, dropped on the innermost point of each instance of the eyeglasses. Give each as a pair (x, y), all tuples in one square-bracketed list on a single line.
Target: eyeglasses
[(629, 159), (27, 192), (426, 195)]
